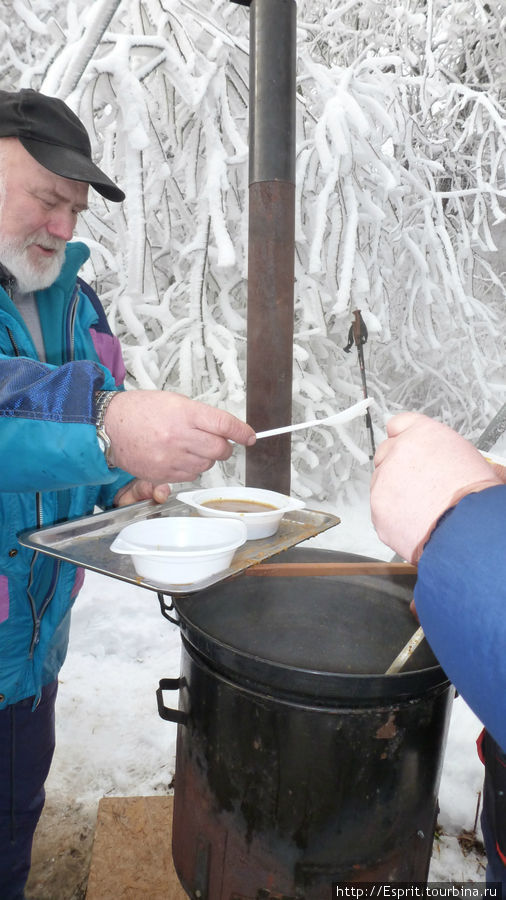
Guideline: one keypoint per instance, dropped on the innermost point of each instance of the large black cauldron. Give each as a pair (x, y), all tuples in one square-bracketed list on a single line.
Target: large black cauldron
[(299, 762)]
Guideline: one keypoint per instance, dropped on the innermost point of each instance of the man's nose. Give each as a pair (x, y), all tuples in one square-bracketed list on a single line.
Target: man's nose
[(61, 224)]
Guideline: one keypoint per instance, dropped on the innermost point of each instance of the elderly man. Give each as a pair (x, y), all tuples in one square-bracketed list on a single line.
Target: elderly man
[(71, 437)]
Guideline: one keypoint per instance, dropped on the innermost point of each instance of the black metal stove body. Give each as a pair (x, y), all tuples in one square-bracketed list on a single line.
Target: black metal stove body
[(298, 762)]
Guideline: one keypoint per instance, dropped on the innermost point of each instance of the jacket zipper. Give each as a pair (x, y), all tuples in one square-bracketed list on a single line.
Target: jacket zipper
[(37, 615), (37, 618), (13, 342), (71, 322)]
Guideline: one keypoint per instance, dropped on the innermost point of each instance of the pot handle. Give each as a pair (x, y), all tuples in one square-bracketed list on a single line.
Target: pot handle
[(165, 712), (165, 608)]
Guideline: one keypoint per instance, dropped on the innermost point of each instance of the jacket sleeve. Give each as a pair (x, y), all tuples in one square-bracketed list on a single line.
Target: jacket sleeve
[(460, 597), (48, 436), (108, 350)]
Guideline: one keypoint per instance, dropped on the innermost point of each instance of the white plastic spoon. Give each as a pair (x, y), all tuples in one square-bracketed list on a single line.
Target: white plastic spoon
[(346, 415)]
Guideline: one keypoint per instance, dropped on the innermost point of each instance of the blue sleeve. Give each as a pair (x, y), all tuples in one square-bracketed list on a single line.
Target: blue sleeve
[(460, 597), (48, 436), (108, 491)]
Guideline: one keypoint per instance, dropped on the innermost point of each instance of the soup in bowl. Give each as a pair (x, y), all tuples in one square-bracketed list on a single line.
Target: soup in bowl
[(261, 510)]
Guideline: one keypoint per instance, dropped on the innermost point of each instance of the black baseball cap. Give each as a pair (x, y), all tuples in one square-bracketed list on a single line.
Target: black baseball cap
[(54, 136)]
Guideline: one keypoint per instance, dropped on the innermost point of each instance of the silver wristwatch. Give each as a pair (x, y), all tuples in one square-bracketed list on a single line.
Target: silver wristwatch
[(102, 400)]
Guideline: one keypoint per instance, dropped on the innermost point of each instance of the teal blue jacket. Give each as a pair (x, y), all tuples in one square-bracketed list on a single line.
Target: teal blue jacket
[(52, 466)]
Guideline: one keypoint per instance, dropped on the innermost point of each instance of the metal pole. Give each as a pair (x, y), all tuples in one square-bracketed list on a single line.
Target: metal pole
[(358, 335), (271, 238), (493, 431)]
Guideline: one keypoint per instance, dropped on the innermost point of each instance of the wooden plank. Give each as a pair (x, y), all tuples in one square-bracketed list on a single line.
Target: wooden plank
[(131, 857), (301, 570)]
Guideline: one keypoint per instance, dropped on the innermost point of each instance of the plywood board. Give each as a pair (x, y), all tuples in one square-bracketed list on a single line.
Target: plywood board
[(131, 857)]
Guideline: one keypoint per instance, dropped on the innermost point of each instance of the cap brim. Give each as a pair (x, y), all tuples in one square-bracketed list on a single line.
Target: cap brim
[(70, 164)]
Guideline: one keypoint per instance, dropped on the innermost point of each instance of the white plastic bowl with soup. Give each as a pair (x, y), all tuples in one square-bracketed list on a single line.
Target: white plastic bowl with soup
[(261, 510)]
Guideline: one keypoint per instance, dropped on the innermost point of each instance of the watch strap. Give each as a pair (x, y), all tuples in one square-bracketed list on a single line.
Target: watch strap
[(102, 400)]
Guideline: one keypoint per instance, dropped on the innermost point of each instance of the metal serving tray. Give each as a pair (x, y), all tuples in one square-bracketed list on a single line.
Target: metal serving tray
[(86, 541)]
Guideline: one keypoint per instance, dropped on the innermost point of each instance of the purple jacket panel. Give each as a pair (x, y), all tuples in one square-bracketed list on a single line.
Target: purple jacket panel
[(4, 598), (109, 353)]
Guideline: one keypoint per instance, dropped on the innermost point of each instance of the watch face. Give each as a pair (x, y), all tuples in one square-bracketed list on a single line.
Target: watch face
[(104, 443)]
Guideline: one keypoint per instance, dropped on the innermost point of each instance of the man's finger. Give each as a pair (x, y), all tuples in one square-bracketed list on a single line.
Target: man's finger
[(161, 493), (382, 451), (399, 423)]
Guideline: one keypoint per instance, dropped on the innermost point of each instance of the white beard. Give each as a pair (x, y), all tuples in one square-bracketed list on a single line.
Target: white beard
[(30, 276)]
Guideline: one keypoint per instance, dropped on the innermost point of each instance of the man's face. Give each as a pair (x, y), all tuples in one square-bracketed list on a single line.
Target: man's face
[(38, 213)]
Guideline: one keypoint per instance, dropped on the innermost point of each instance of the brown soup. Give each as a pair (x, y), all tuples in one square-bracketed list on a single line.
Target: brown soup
[(238, 506)]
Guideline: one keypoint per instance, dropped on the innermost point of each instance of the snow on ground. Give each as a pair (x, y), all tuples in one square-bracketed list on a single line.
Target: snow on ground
[(111, 741)]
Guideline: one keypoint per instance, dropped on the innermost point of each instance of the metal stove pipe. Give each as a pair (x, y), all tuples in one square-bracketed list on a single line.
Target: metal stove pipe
[(271, 237)]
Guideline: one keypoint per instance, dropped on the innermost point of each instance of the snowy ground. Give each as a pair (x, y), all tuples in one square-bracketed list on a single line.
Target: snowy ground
[(111, 741)]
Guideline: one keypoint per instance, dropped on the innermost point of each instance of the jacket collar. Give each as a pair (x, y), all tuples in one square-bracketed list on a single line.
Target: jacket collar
[(52, 301), (76, 254)]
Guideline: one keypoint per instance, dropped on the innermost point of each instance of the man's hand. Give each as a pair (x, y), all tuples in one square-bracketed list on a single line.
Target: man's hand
[(162, 437), (422, 469), (137, 490)]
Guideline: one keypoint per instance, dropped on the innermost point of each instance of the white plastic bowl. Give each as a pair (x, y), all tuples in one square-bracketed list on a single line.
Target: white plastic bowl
[(180, 550), (259, 524)]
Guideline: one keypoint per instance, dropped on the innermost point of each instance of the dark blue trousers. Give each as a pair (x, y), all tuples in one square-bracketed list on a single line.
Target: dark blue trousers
[(26, 749), (493, 817)]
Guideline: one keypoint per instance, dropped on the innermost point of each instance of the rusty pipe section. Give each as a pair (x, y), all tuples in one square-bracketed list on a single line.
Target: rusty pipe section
[(271, 238), (270, 332)]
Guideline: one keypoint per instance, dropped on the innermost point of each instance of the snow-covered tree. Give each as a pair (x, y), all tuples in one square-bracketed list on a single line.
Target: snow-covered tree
[(401, 188)]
